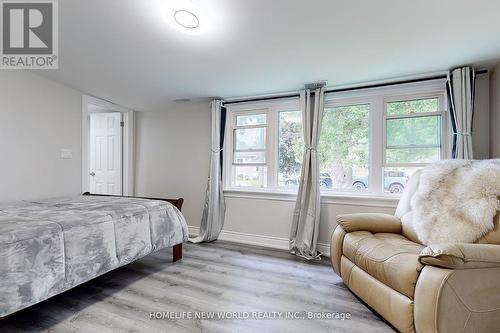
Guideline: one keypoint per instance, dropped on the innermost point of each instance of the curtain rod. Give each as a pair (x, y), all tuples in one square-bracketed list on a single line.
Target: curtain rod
[(265, 98), (378, 85), (375, 85)]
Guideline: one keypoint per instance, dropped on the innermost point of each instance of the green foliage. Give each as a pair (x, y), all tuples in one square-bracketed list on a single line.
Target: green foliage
[(412, 155), (291, 143), (413, 106), (344, 138), (413, 131)]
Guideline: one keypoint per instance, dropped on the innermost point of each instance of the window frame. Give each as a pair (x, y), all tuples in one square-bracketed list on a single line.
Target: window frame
[(376, 98), (272, 108), (236, 127), (345, 100), (442, 112)]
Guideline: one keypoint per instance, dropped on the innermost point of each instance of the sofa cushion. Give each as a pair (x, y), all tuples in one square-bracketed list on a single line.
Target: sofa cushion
[(390, 258), (392, 305)]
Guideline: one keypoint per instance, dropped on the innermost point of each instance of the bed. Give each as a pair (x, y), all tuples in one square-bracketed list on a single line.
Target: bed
[(50, 246)]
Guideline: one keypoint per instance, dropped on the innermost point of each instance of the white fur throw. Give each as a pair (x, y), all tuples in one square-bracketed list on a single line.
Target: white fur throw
[(456, 201)]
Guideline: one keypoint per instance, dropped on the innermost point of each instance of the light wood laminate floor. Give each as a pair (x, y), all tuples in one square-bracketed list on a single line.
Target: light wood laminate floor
[(219, 276)]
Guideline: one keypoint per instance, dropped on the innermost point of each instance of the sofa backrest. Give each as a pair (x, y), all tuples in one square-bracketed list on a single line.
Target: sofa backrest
[(404, 207)]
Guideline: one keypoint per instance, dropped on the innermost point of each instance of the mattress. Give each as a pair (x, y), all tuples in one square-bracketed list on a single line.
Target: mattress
[(49, 246)]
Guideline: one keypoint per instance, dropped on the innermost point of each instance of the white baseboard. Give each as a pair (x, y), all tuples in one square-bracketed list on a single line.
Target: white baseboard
[(259, 240)]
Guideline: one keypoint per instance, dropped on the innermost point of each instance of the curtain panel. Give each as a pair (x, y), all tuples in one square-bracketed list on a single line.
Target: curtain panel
[(305, 223), (460, 87), (214, 210)]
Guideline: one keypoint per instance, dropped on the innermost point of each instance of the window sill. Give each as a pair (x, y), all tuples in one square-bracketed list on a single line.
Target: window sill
[(332, 198)]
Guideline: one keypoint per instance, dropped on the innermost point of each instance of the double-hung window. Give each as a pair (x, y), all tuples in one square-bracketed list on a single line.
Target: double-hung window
[(250, 148), (266, 145), (413, 136)]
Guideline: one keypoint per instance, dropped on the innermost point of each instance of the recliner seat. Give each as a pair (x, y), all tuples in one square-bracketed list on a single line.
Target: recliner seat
[(418, 288)]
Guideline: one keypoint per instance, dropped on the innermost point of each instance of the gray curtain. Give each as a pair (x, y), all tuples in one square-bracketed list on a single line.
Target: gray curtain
[(213, 213), (305, 224), (461, 86)]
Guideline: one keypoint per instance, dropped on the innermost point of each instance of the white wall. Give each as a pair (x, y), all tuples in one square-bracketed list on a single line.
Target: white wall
[(38, 118), (495, 112), (273, 217), (172, 155)]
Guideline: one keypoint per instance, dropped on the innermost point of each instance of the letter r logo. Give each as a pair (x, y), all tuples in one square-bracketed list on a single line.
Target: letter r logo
[(27, 27)]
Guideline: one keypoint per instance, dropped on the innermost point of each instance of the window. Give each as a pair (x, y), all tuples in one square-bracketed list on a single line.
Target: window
[(290, 148), (249, 149), (266, 145), (343, 148), (371, 140), (412, 137)]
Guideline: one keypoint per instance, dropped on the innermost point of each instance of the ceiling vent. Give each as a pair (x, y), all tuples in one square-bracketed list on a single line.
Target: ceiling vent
[(182, 100)]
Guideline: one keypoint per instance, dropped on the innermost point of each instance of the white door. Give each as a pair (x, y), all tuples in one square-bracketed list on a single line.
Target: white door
[(106, 153)]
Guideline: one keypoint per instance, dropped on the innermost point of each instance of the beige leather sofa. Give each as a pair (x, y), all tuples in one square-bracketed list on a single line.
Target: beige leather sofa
[(439, 288)]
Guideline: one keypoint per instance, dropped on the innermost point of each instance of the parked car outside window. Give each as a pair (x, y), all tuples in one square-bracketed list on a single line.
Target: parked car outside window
[(394, 182), (325, 180)]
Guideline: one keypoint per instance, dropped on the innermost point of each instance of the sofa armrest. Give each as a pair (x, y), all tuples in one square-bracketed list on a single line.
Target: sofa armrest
[(461, 255), (372, 222)]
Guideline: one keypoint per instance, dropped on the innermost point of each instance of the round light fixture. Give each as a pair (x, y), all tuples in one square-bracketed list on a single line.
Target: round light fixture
[(186, 19)]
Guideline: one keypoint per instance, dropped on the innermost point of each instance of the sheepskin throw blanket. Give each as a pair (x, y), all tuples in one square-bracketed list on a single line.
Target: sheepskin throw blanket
[(456, 201)]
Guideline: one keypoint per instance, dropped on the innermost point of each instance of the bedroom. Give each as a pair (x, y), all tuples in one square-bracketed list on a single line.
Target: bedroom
[(296, 117)]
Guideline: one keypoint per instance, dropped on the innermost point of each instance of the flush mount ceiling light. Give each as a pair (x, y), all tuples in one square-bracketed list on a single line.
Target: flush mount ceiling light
[(192, 17), (186, 19)]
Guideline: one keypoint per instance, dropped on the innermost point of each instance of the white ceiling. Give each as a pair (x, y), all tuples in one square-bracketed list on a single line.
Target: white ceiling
[(125, 52)]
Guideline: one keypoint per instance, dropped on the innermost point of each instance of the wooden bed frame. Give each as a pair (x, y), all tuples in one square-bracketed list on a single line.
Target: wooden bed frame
[(177, 252)]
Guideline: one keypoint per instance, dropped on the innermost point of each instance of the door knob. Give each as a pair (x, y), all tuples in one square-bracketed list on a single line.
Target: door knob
[(92, 173)]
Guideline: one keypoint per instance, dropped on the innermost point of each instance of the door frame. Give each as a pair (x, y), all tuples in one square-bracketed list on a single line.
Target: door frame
[(127, 141)]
